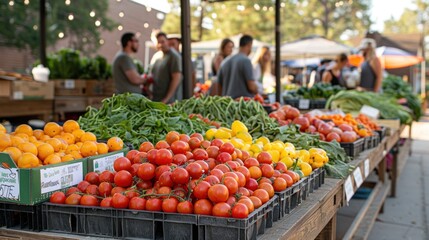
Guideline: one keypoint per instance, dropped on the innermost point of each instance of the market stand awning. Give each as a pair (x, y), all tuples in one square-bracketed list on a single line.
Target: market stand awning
[(213, 45), (391, 58)]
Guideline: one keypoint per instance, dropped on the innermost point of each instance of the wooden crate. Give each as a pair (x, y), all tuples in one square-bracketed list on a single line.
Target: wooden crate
[(95, 101), (70, 87), (100, 87)]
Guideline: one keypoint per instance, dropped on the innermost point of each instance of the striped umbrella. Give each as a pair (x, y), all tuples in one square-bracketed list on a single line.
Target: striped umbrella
[(391, 57)]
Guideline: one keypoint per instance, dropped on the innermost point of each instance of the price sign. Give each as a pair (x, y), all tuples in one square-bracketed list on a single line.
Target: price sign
[(69, 84), (348, 188), (56, 178), (366, 168), (370, 111), (357, 174), (9, 183), (18, 95), (106, 163), (304, 104)]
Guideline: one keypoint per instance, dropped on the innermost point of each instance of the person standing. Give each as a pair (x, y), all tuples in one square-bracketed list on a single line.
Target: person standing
[(262, 68), (124, 71), (333, 74), (225, 50), (235, 76), (167, 72), (371, 70)]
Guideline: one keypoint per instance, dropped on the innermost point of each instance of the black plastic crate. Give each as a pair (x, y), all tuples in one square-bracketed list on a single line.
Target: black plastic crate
[(139, 224), (289, 199), (81, 220), (21, 217), (367, 143), (317, 103), (317, 179), (375, 140), (236, 229), (291, 102), (355, 148), (304, 189), (178, 226), (382, 133)]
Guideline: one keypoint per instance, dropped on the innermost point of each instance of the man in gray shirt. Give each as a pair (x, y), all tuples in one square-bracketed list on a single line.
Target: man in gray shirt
[(236, 73), (124, 71), (167, 72)]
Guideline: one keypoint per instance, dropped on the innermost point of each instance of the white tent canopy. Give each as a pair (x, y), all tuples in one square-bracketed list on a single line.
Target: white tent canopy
[(213, 45), (313, 46)]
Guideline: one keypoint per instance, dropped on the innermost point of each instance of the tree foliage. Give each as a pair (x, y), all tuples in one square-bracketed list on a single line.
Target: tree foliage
[(299, 18), (410, 19), (20, 23)]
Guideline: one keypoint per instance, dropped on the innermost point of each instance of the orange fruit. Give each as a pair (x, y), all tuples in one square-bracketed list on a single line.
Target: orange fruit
[(102, 148), (2, 129), (89, 148), (70, 125), (78, 134), (115, 144), (255, 172), (76, 155), (32, 139), (15, 141), (88, 136), (23, 136), (52, 159), (71, 148), (24, 128), (68, 137), (5, 141), (14, 153), (55, 143), (28, 147), (28, 160), (38, 133), (67, 157), (79, 144), (51, 129), (45, 150), (44, 138)]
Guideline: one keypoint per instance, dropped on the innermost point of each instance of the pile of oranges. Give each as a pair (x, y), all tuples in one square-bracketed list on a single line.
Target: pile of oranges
[(54, 144)]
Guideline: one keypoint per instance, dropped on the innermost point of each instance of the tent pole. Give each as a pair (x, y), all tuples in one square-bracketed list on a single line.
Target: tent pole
[(185, 25), (42, 32), (277, 59)]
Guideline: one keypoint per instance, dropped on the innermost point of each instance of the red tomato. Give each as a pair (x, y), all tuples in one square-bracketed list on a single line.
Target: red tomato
[(189, 155), (131, 192), (104, 189), (217, 142), (131, 154), (198, 135), (200, 154), (106, 176), (224, 157), (179, 147), (163, 157), (194, 143), (203, 207), (211, 162), (170, 205), (231, 184), (162, 145), (151, 155), (245, 155), (345, 127), (137, 203), (303, 122), (267, 187), (58, 197), (248, 203), (256, 201), (89, 200), (262, 194), (227, 147), (333, 136), (185, 207), (73, 199), (140, 157), (201, 190), (160, 170), (179, 159), (240, 210), (223, 168), (195, 170), (154, 204), (106, 202), (92, 177), (135, 168), (292, 113), (218, 193), (117, 190), (205, 144), (245, 171), (146, 171), (281, 166), (143, 185), (122, 163), (83, 185), (217, 172), (252, 184), (92, 190), (250, 162), (204, 165), (212, 151), (212, 180), (241, 179), (180, 176), (164, 191), (324, 128), (280, 184), (265, 157), (146, 147), (231, 200), (172, 137), (120, 201), (123, 179), (232, 165), (72, 190), (221, 210), (184, 137), (166, 180), (267, 170), (243, 191), (348, 137)]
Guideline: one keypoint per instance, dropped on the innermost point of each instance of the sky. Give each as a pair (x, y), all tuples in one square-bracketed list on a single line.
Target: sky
[(382, 10)]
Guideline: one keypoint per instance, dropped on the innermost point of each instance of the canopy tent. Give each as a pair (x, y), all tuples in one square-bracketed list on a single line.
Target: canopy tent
[(213, 45), (312, 46), (391, 58), (302, 62)]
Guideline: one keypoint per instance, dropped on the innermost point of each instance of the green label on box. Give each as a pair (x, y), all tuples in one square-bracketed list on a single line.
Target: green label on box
[(106, 163), (9, 183), (56, 178)]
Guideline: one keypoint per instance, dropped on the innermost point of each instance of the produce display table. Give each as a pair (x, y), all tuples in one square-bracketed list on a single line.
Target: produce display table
[(19, 108)]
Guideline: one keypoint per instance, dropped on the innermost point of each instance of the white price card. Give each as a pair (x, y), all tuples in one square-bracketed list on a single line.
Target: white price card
[(18, 95), (304, 104), (366, 168), (384, 153), (371, 112), (106, 163), (348, 188), (357, 174), (9, 183), (56, 178), (69, 84)]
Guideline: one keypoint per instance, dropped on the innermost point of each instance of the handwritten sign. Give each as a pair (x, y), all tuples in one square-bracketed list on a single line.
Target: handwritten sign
[(56, 178), (304, 104), (348, 188), (106, 163), (366, 168), (9, 183), (69, 84), (357, 174)]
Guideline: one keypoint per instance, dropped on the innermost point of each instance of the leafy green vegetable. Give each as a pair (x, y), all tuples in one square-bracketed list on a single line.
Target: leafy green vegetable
[(317, 91)]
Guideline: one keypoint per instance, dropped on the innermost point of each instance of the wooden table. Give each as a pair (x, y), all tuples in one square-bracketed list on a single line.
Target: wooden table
[(19, 108)]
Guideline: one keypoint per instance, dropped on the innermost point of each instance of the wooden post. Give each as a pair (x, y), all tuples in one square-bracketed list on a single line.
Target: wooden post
[(185, 25), (277, 59), (42, 32)]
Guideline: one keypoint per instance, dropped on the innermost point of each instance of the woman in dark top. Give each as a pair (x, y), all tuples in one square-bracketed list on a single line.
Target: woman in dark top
[(226, 47), (371, 71), (333, 74)]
